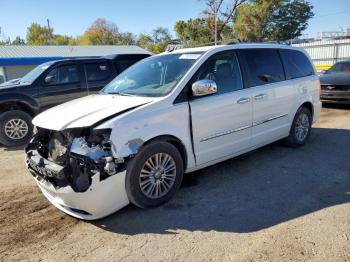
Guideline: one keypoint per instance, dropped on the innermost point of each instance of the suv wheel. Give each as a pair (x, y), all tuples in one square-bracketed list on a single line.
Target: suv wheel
[(16, 128), (301, 128), (154, 175)]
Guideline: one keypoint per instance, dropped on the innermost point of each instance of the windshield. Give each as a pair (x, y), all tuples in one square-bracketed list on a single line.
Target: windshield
[(32, 75), (340, 68), (155, 76)]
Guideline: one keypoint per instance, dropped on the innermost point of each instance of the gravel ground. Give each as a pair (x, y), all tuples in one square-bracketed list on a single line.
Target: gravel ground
[(273, 204)]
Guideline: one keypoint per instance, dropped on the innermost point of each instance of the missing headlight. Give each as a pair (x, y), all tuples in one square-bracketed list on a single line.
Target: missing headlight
[(81, 154)]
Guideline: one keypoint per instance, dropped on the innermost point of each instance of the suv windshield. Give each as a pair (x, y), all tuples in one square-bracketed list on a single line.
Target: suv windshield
[(35, 73), (155, 76)]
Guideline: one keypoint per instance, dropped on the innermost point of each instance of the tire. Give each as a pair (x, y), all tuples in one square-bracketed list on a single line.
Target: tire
[(134, 179), (14, 118), (295, 140)]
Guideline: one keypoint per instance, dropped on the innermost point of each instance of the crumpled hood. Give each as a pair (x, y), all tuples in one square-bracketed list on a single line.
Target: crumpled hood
[(86, 111)]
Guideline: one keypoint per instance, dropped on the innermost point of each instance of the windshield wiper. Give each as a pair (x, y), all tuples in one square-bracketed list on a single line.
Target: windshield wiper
[(118, 93)]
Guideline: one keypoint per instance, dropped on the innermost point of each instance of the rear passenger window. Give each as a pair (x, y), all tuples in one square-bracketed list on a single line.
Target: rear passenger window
[(264, 66), (296, 63), (124, 64), (97, 71), (223, 68)]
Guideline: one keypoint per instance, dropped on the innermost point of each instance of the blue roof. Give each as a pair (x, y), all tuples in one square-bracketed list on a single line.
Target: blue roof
[(15, 61)]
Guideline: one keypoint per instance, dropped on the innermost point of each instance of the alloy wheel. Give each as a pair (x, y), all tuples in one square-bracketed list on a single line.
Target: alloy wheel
[(157, 176), (302, 127), (16, 128)]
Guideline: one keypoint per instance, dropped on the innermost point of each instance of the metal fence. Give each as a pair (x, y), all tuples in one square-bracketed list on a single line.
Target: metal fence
[(325, 53)]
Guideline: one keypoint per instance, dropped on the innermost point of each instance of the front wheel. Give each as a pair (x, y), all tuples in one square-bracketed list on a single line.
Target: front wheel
[(301, 128), (16, 128), (154, 175)]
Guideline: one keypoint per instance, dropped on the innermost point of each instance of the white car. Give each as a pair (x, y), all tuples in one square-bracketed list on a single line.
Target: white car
[(168, 115)]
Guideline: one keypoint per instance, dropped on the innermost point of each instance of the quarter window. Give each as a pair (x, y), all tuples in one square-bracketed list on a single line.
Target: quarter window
[(223, 68), (97, 71), (264, 66), (296, 63)]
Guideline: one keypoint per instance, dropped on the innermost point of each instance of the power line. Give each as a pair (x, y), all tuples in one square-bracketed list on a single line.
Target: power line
[(338, 13)]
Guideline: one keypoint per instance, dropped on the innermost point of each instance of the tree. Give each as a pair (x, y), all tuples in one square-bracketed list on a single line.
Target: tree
[(39, 35), (126, 38), (252, 20), (272, 20), (161, 34), (145, 41), (220, 16), (3, 39), (18, 41), (61, 39), (290, 20), (193, 32), (103, 32), (155, 42)]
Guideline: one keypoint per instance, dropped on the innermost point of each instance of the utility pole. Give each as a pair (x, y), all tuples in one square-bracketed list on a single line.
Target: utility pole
[(215, 22), (49, 37)]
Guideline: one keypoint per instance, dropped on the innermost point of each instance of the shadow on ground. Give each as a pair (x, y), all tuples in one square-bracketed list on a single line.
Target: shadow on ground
[(14, 148), (336, 106), (251, 192)]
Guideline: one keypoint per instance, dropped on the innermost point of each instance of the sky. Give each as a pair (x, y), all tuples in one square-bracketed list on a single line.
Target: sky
[(73, 17)]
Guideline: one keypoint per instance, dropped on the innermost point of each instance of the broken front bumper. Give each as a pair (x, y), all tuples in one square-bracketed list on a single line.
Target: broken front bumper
[(101, 199)]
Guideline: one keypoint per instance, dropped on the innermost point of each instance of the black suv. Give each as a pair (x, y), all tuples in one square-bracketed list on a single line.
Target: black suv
[(50, 84)]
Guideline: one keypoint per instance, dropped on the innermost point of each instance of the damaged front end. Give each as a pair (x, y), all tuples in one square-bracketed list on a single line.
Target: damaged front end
[(76, 171)]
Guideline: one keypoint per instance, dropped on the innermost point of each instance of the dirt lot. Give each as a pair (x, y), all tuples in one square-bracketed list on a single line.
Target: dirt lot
[(275, 203)]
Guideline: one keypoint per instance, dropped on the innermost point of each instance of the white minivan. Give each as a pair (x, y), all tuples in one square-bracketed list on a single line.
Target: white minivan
[(168, 115)]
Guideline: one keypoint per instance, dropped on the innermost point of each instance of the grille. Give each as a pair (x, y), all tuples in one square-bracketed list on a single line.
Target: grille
[(335, 87)]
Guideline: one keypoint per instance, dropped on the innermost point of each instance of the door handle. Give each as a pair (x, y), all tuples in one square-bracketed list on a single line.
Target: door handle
[(243, 100), (260, 96)]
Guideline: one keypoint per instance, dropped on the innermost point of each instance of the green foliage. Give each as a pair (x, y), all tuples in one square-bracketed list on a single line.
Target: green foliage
[(156, 42), (272, 20), (252, 20), (193, 32), (39, 35), (61, 39), (290, 20), (18, 41), (103, 32)]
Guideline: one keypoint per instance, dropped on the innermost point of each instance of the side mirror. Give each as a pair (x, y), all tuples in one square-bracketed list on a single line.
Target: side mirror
[(204, 87), (50, 79)]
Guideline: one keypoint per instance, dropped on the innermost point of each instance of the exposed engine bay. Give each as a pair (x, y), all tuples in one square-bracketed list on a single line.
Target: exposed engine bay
[(72, 157)]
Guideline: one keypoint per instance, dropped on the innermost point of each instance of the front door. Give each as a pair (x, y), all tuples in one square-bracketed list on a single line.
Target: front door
[(61, 84), (221, 122)]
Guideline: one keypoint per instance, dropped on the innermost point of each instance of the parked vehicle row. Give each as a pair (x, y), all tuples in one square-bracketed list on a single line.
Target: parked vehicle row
[(50, 84), (168, 115)]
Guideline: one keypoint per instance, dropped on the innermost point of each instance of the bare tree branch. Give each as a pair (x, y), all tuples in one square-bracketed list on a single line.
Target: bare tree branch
[(214, 8)]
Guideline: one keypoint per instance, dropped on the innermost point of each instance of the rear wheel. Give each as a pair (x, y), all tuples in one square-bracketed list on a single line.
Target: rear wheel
[(16, 128), (154, 174), (301, 128)]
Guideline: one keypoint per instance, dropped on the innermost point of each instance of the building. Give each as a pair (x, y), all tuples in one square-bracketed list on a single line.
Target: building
[(16, 61), (326, 53)]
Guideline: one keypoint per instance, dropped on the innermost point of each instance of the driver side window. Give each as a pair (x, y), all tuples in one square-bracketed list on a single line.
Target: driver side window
[(223, 69), (65, 74)]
